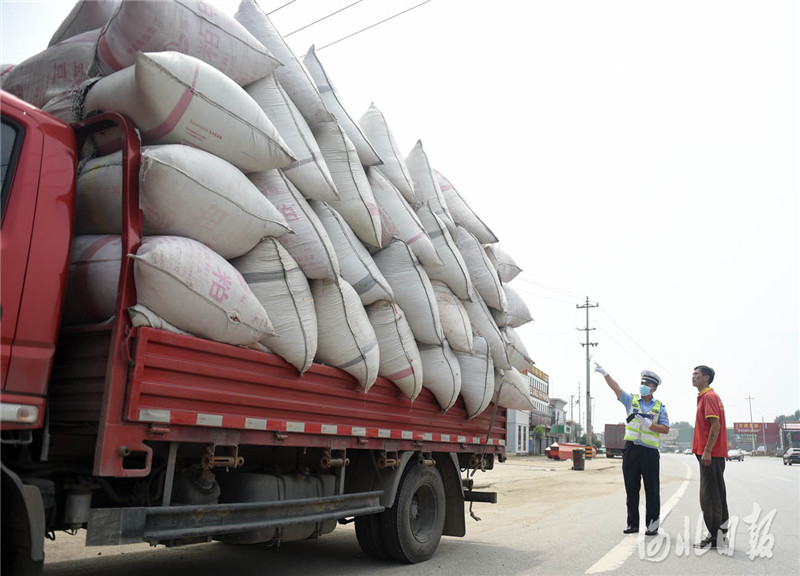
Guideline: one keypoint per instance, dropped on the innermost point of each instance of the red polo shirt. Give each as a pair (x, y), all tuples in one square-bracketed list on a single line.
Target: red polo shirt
[(709, 405)]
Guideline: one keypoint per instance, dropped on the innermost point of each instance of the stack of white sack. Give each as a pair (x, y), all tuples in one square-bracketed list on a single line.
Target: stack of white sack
[(359, 257)]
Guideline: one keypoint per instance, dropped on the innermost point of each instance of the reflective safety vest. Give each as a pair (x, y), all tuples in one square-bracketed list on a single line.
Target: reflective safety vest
[(634, 431)]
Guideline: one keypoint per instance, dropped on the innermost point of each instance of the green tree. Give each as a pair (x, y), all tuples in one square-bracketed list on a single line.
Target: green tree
[(789, 418), (540, 432)]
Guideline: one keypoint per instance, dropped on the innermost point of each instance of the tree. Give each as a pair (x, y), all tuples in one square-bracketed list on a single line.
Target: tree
[(790, 418), (539, 432)]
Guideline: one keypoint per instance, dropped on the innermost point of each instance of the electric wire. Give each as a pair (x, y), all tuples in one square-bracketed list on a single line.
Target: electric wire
[(373, 25), (279, 7), (321, 19)]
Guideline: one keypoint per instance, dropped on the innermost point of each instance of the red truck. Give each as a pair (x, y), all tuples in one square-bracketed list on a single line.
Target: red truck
[(138, 434), (614, 439)]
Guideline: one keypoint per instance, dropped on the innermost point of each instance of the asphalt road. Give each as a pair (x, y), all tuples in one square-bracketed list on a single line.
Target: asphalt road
[(549, 520)]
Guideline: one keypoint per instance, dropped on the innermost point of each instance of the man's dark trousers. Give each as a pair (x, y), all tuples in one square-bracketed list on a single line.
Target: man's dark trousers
[(713, 496), (642, 462)]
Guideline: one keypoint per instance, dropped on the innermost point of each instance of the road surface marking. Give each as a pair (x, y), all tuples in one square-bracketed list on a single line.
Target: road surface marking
[(617, 556)]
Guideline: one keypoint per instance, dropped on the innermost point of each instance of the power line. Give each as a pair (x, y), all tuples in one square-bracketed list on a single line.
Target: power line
[(373, 25), (279, 7), (321, 19), (563, 291)]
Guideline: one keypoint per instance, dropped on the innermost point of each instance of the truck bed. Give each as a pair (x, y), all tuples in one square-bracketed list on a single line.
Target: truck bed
[(185, 389)]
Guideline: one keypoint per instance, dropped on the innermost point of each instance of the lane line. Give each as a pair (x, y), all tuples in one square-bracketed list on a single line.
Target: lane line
[(620, 553)]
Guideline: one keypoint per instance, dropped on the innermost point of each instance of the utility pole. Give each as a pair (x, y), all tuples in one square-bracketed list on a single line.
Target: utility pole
[(764, 433), (588, 345), (571, 421), (752, 426)]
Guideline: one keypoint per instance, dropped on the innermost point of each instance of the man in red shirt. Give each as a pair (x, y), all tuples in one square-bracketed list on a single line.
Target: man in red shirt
[(710, 444)]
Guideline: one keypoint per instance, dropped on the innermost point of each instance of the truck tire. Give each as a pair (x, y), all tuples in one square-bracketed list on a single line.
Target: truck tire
[(18, 530), (412, 527), (370, 536)]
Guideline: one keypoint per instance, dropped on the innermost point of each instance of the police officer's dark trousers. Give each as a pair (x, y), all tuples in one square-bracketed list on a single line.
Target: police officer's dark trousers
[(642, 462)]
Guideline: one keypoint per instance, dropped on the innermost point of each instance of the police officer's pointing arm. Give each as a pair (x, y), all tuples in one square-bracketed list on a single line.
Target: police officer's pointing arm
[(609, 380)]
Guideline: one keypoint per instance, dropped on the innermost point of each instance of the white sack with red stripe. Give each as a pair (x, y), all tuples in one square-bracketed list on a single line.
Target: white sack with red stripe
[(505, 265), (308, 172), (293, 76), (400, 361), (441, 373), (356, 201), (198, 291), (481, 270), (398, 219), (517, 312), (412, 290), (477, 377), (511, 390), (92, 279), (346, 338), (455, 320), (333, 102), (453, 270), (279, 284), (426, 185), (52, 72), (183, 191), (462, 213), (309, 243), (356, 264), (85, 15), (195, 28), (177, 99), (517, 353), (374, 125), (484, 325)]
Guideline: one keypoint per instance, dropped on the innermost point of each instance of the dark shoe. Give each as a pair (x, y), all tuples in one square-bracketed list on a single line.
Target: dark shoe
[(706, 544), (630, 530), (651, 532)]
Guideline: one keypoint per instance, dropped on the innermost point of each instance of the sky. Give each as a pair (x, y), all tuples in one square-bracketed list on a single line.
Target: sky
[(643, 155)]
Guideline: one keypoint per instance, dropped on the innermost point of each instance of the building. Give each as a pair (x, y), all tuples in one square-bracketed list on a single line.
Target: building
[(518, 431), (522, 422), (559, 429)]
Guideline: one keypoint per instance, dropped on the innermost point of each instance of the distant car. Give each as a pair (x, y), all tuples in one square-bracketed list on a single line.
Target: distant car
[(747, 452), (735, 454), (791, 456), (687, 451)]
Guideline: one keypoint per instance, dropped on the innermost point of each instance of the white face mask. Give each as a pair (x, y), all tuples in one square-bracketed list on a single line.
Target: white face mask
[(645, 390)]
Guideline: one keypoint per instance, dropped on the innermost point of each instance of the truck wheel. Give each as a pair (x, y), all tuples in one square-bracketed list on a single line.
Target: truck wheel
[(15, 525), (370, 536), (413, 527)]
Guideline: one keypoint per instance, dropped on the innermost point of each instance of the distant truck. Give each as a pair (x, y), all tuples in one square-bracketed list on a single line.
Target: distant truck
[(614, 439)]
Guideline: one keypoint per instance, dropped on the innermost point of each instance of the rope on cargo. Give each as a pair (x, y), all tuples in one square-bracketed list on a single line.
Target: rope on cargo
[(373, 25), (323, 18), (485, 445)]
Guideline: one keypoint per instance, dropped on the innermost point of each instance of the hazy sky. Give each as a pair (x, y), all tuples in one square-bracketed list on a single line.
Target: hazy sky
[(642, 154)]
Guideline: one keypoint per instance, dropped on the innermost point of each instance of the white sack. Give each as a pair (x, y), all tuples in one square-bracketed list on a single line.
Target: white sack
[(92, 279), (506, 268), (412, 291), (85, 15), (356, 264), (143, 316), (196, 290), (283, 290), (293, 76), (346, 338), (52, 72), (453, 270), (441, 373), (481, 270), (455, 320), (477, 377), (400, 361), (517, 312), (356, 201), (517, 353), (176, 99), (308, 172), (462, 213), (484, 326), (194, 28), (333, 102), (183, 191), (398, 219), (309, 244), (373, 123), (426, 185), (511, 390)]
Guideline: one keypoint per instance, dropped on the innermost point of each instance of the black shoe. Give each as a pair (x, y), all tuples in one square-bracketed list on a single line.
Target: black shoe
[(706, 543), (651, 532), (630, 530)]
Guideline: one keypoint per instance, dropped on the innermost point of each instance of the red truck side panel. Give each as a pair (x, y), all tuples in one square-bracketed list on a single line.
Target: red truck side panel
[(36, 234)]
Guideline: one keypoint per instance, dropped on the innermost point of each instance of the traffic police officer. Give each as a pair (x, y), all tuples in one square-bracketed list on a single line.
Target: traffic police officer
[(647, 419)]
